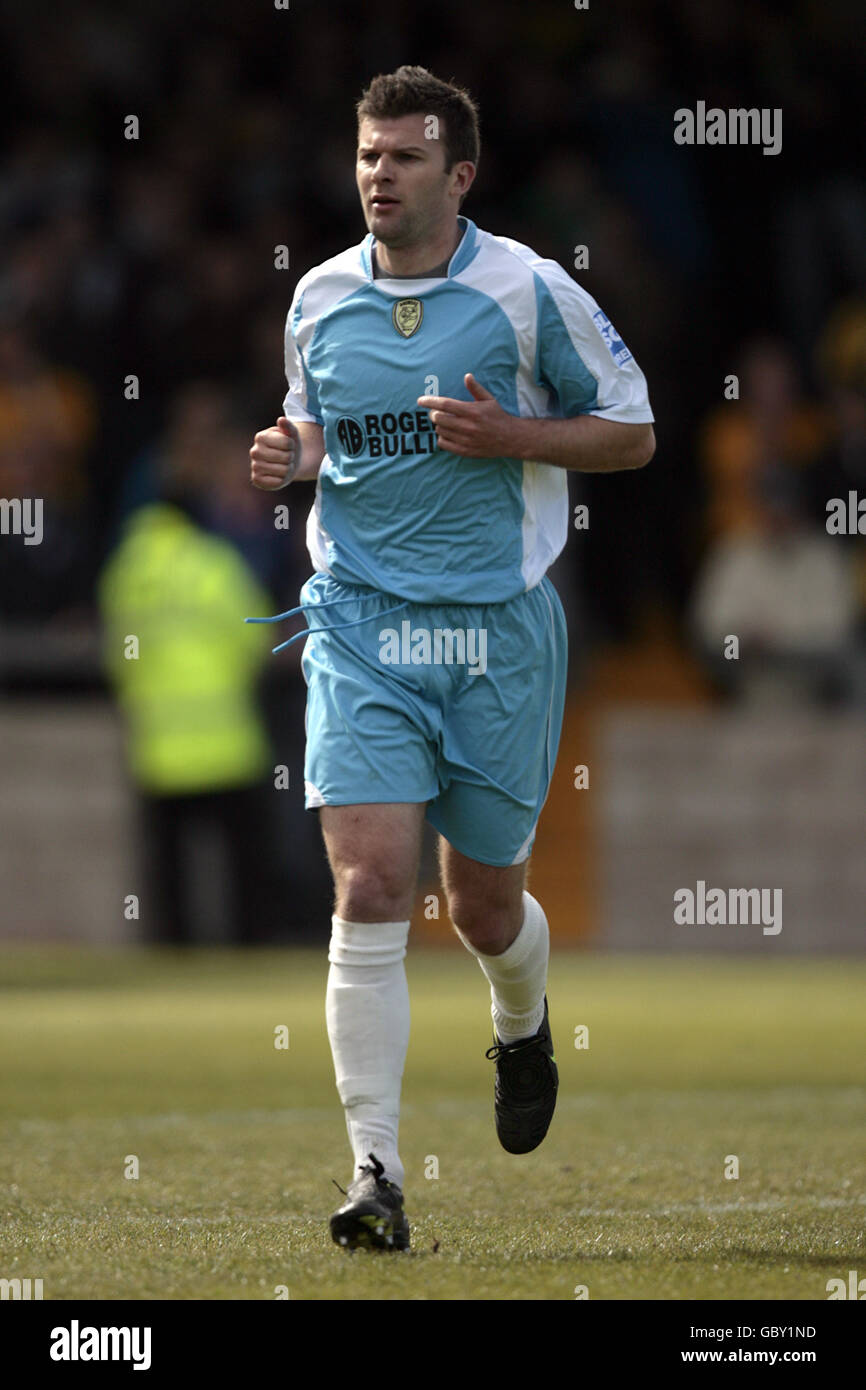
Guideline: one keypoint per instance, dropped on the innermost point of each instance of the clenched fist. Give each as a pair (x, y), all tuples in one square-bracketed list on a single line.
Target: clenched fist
[(275, 456)]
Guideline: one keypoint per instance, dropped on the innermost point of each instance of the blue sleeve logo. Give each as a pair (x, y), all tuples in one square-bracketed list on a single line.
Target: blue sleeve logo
[(615, 345)]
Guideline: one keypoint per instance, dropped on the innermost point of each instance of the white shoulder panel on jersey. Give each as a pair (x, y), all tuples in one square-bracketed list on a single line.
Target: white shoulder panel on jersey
[(621, 385), (316, 292), (496, 271), (324, 286), (504, 278)]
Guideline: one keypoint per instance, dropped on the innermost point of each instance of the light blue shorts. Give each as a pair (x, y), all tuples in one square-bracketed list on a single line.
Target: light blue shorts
[(456, 705)]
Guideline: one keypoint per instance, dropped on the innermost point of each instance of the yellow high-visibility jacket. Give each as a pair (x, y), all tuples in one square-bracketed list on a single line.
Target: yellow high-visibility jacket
[(182, 662)]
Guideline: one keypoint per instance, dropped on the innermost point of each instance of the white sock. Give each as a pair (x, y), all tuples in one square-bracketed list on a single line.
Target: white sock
[(367, 1009), (518, 977)]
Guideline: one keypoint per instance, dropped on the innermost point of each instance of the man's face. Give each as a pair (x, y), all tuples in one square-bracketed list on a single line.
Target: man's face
[(405, 192)]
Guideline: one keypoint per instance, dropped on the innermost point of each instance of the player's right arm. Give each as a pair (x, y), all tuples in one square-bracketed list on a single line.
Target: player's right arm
[(290, 451), (293, 448)]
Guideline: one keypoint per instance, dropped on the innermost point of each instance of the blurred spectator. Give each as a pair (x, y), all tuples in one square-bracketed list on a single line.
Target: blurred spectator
[(197, 743), (772, 429), (205, 449), (841, 469), (47, 421), (787, 593), (198, 412), (841, 358)]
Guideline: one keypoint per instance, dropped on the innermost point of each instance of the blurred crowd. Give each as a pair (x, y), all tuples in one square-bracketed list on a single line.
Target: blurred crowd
[(153, 259), (783, 558)]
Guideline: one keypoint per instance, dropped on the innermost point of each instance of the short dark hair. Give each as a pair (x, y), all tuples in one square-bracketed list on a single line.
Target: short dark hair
[(414, 91)]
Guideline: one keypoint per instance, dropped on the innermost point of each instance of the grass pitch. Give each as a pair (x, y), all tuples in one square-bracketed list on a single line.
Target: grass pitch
[(170, 1059)]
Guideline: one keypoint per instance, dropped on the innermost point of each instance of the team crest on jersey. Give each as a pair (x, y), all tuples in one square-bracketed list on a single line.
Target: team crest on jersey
[(407, 315)]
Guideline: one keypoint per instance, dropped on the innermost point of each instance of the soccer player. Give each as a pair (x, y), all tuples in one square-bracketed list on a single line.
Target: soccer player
[(441, 383)]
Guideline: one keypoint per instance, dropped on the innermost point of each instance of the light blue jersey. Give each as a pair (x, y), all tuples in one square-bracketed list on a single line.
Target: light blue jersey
[(436, 655), (393, 511)]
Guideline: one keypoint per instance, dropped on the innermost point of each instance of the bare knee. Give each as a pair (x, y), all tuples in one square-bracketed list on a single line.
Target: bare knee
[(490, 924), (372, 893), (485, 902), (373, 852)]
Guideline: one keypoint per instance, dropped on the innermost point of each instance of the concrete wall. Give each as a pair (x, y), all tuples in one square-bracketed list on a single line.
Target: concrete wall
[(675, 796), (738, 801), (65, 822)]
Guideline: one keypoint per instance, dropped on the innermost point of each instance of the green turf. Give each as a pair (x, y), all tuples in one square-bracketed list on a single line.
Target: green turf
[(170, 1057)]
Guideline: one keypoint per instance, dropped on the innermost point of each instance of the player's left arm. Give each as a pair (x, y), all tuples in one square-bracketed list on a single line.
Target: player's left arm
[(480, 428)]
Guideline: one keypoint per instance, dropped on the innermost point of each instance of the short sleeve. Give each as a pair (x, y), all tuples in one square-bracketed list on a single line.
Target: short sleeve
[(302, 398), (580, 357)]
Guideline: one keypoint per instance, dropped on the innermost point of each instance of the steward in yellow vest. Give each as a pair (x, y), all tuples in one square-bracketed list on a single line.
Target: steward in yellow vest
[(182, 661)]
